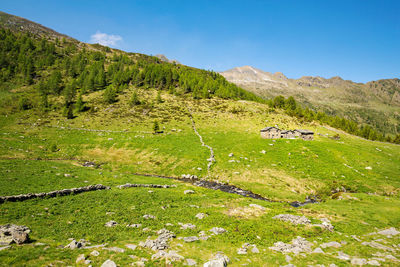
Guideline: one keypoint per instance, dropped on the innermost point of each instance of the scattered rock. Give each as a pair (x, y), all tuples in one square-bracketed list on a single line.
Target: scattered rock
[(318, 250), (137, 225), (115, 249), (111, 224), (190, 262), (368, 168), (12, 233), (333, 244), (376, 245), (230, 155), (219, 260), (187, 226), (263, 151), (373, 263), (89, 164), (201, 216), (242, 251), (74, 245), (148, 216), (358, 261), (190, 239), (217, 230), (186, 192), (131, 246), (80, 258), (4, 247), (95, 253), (161, 242), (292, 219), (255, 249), (109, 263), (257, 206), (343, 256), (297, 246), (389, 232)]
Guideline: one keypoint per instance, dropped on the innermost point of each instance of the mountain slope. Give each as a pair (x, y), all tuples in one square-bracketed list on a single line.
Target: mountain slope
[(375, 103), (19, 24)]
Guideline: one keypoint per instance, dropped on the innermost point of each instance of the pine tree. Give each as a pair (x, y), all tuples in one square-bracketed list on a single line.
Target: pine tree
[(156, 127), (79, 105), (134, 99), (109, 95), (159, 99)]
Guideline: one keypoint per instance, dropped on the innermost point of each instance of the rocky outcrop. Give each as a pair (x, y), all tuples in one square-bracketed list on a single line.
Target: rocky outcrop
[(11, 233), (57, 193)]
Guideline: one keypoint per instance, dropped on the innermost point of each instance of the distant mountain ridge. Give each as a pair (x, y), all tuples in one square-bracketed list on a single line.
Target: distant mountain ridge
[(375, 102)]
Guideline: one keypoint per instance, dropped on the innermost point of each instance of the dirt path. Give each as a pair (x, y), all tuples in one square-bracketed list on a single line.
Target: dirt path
[(211, 159)]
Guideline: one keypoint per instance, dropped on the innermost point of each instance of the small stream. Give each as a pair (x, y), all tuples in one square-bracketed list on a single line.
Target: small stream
[(228, 189)]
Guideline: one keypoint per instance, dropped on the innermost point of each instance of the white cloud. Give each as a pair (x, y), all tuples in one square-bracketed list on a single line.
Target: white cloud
[(105, 39)]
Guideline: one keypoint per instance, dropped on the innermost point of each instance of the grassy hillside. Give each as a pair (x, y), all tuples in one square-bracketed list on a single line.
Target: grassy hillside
[(103, 106)]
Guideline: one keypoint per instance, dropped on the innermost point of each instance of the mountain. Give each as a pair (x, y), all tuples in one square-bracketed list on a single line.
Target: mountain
[(19, 24), (376, 103)]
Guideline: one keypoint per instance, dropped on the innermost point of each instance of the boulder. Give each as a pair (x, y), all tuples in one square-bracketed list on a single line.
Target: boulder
[(109, 263), (12, 233)]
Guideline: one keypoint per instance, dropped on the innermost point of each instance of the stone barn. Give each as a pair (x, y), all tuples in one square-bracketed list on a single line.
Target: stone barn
[(304, 134), (270, 133)]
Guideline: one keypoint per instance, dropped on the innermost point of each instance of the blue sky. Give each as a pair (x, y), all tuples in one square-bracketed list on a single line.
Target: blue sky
[(357, 40)]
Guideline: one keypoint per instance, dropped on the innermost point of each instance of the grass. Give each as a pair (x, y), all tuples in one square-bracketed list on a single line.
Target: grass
[(288, 170)]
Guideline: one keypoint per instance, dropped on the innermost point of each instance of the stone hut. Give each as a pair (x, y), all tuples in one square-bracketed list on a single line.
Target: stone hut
[(270, 133), (288, 134), (304, 134)]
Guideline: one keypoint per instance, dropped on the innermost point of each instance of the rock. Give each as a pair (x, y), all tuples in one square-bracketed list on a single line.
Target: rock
[(376, 245), (190, 262), (87, 262), (255, 249), (137, 225), (318, 250), (368, 168), (80, 258), (140, 263), (288, 258), (333, 244), (74, 245), (217, 230), (148, 216), (374, 263), (220, 260), (187, 226), (172, 255), (115, 249), (201, 216), (358, 261), (190, 239), (131, 246), (242, 251), (89, 164), (186, 192), (4, 247), (292, 219), (389, 232), (263, 151), (109, 263), (297, 246), (111, 224), (95, 253), (343, 256), (12, 233), (146, 229), (356, 238), (257, 206), (161, 242), (230, 155), (67, 175)]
